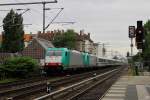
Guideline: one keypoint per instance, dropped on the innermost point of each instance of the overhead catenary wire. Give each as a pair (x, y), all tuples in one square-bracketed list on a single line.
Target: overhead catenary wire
[(28, 3), (52, 22), (31, 15), (61, 9), (63, 23), (32, 3), (18, 25), (19, 9), (36, 11)]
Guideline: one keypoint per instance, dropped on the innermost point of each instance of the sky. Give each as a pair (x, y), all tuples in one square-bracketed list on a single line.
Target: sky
[(106, 20)]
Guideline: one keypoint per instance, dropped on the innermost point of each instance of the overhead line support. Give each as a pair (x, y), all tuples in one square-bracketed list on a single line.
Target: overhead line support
[(29, 3), (32, 3)]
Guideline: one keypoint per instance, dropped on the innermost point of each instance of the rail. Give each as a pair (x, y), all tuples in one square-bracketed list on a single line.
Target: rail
[(51, 95)]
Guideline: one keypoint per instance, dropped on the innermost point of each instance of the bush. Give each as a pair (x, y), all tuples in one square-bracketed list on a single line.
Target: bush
[(20, 66)]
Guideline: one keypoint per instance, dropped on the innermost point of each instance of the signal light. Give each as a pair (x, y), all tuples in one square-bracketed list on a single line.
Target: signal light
[(139, 24), (131, 31), (139, 35)]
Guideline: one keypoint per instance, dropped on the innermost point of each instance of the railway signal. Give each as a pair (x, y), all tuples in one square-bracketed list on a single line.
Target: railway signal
[(139, 35), (131, 36), (131, 31)]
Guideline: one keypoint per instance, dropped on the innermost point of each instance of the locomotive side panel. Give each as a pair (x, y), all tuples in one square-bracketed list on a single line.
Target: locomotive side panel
[(92, 60), (76, 60)]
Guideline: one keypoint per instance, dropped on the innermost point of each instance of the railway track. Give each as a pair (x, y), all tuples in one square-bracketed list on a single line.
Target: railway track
[(90, 89), (20, 82), (33, 89), (98, 89)]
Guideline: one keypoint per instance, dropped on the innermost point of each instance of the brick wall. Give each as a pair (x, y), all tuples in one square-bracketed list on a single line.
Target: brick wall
[(34, 50)]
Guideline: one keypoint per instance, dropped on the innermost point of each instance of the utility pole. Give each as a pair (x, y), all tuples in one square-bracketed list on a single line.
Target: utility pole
[(44, 17), (103, 50), (33, 3), (131, 47)]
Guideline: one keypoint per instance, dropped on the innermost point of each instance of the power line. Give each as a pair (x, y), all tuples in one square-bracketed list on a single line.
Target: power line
[(33, 3), (19, 25), (63, 22), (54, 18), (19, 9), (36, 11), (28, 3)]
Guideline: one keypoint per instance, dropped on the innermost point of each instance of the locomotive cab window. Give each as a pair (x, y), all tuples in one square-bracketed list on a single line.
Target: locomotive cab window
[(54, 53)]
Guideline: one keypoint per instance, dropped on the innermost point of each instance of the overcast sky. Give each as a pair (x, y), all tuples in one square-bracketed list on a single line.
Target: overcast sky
[(106, 20)]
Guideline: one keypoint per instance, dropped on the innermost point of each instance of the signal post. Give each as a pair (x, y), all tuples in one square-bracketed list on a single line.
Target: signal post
[(131, 36), (140, 40), (140, 36)]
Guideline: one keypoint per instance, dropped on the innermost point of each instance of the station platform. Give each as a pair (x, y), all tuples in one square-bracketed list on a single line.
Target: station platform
[(129, 88)]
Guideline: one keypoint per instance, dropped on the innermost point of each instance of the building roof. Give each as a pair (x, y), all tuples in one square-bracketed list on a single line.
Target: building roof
[(44, 43), (83, 36), (49, 35), (27, 37)]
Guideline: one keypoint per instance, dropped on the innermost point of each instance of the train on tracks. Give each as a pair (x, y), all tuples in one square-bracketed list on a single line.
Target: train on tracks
[(65, 59)]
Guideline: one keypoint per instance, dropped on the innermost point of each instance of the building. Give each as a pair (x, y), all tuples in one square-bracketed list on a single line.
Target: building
[(96, 49), (27, 39), (49, 35), (37, 49), (84, 42)]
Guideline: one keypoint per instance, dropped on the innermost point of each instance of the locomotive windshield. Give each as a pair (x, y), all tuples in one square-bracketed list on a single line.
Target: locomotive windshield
[(54, 53)]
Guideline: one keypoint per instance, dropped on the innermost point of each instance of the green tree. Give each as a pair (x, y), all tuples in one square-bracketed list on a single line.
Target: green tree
[(58, 40), (13, 35), (19, 67), (67, 39), (147, 41), (146, 51)]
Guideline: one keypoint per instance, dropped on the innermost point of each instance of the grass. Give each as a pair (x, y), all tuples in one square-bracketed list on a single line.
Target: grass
[(8, 80)]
